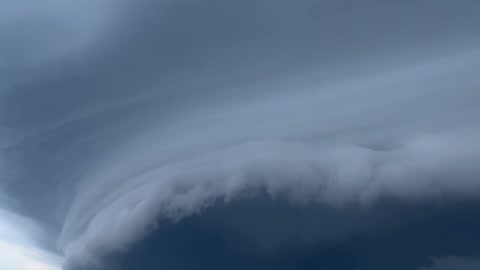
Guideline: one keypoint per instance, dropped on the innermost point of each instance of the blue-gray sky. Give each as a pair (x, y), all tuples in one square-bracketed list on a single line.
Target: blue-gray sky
[(355, 122)]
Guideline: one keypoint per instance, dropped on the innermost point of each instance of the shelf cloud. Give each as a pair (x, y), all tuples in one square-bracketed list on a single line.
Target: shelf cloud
[(234, 134)]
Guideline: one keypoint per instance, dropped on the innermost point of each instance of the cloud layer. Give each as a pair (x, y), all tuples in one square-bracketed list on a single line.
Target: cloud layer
[(125, 123)]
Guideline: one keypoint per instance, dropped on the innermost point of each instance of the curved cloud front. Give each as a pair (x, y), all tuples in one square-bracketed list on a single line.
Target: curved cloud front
[(239, 134)]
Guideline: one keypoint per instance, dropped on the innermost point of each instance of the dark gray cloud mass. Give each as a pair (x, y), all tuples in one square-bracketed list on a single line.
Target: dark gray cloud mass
[(228, 134)]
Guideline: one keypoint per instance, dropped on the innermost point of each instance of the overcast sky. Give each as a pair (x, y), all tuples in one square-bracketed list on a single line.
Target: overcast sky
[(213, 134)]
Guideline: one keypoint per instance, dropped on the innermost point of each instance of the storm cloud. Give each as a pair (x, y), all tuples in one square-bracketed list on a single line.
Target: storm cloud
[(241, 134)]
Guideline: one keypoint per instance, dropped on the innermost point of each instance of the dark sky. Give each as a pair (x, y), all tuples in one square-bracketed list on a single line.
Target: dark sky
[(239, 134)]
